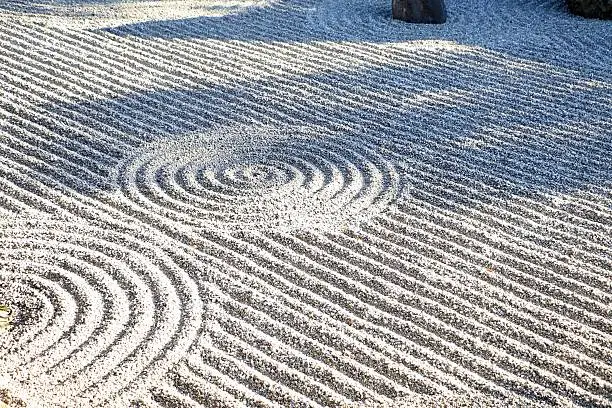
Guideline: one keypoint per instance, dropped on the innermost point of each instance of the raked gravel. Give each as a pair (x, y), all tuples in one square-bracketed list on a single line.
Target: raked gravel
[(303, 203)]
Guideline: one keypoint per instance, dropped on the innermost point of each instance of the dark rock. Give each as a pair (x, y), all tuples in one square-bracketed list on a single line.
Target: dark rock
[(420, 11), (591, 8)]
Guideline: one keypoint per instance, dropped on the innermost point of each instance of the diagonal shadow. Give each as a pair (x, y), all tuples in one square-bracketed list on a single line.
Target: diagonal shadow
[(360, 21), (557, 129), (507, 26), (494, 128)]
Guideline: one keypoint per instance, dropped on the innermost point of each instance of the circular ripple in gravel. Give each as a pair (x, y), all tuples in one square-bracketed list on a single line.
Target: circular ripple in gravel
[(260, 177), (96, 313)]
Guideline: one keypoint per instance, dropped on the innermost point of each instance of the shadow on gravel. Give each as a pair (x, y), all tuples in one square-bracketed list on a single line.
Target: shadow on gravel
[(284, 21), (539, 131), (359, 21), (543, 31), (481, 126)]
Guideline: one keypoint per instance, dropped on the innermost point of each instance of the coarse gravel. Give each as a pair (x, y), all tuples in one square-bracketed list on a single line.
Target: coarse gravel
[(303, 204)]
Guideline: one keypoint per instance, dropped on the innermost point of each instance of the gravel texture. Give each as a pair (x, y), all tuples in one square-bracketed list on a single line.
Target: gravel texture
[(304, 203)]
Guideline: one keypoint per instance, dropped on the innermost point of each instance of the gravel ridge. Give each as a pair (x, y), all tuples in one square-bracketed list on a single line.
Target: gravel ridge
[(304, 203)]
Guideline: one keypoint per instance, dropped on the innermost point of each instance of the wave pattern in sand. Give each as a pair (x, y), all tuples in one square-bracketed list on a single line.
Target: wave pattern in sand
[(303, 203)]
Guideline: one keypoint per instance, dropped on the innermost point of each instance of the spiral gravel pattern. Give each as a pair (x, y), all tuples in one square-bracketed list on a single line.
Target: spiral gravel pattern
[(98, 314), (259, 177), (306, 204)]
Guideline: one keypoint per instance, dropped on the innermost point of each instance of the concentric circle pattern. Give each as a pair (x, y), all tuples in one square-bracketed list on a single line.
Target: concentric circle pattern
[(303, 203), (261, 177), (98, 315)]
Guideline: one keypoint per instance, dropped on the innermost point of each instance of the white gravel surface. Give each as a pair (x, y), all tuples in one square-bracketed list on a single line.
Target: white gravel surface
[(303, 203)]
